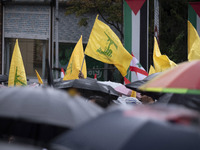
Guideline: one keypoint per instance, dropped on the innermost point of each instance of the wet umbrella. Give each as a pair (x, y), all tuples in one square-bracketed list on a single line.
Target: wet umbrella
[(41, 113), (8, 146), (122, 130), (136, 84), (111, 90), (187, 100), (3, 78), (87, 85), (118, 87), (181, 80)]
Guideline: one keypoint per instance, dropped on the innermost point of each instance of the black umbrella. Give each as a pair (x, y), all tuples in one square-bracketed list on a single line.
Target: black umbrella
[(136, 84), (120, 130), (87, 85), (3, 78), (41, 113), (8, 146), (187, 100)]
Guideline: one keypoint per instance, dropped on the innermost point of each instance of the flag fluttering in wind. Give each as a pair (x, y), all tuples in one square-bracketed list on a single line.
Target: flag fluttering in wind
[(136, 26), (105, 46), (75, 63), (193, 43), (17, 74), (151, 70), (137, 68), (161, 62), (39, 78)]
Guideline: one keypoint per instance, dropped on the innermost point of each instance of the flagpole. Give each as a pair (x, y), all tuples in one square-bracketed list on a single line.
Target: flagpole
[(82, 62)]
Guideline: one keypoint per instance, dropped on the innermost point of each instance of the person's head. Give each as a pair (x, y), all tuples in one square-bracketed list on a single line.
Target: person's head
[(102, 102), (81, 75), (146, 99)]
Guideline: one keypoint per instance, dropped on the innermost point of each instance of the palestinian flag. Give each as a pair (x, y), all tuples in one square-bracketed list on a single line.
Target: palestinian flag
[(136, 31), (194, 15)]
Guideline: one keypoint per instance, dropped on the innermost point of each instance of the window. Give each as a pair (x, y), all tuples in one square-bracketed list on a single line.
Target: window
[(34, 53)]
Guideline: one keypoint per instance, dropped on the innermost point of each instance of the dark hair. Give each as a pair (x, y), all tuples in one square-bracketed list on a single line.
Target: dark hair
[(99, 100)]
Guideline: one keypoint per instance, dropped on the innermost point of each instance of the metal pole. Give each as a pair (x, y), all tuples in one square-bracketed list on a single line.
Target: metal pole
[(43, 59), (53, 38), (56, 38), (147, 65), (3, 44), (7, 57), (156, 19)]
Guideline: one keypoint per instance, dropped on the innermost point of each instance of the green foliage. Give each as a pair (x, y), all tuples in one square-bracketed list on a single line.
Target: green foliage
[(109, 10), (173, 22), (173, 29)]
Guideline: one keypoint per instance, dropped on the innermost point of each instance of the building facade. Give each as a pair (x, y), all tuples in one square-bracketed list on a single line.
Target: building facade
[(33, 23)]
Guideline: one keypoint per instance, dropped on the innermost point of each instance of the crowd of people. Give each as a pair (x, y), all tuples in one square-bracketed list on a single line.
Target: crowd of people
[(91, 106)]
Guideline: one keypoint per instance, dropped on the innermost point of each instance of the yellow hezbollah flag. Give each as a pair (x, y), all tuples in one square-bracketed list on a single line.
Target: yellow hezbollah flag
[(75, 63), (39, 78), (161, 62), (17, 74), (151, 70), (193, 43), (105, 46)]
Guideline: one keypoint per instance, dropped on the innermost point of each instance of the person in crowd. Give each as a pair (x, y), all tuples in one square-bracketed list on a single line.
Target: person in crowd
[(99, 100), (146, 99), (80, 75)]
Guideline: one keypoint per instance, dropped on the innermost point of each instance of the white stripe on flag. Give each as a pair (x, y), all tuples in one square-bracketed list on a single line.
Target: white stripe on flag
[(135, 40), (136, 35)]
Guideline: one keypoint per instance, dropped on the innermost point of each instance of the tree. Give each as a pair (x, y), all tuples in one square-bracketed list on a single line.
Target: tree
[(173, 29), (109, 10), (173, 22)]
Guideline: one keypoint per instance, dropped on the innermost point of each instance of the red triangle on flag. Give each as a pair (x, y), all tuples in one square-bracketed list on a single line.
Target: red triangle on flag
[(126, 80), (196, 7), (135, 5)]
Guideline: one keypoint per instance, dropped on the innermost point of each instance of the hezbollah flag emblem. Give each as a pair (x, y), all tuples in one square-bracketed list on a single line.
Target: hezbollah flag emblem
[(17, 74), (105, 46)]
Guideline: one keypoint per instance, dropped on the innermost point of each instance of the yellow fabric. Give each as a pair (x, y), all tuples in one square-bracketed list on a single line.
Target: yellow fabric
[(73, 92), (75, 63), (151, 70), (193, 43), (17, 74), (133, 94), (161, 62), (39, 78), (105, 46)]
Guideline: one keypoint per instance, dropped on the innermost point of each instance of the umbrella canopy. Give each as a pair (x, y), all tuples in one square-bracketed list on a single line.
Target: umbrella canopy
[(136, 84), (118, 87), (111, 90), (187, 100), (123, 130), (3, 78), (8, 146), (33, 112), (181, 79), (87, 84)]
